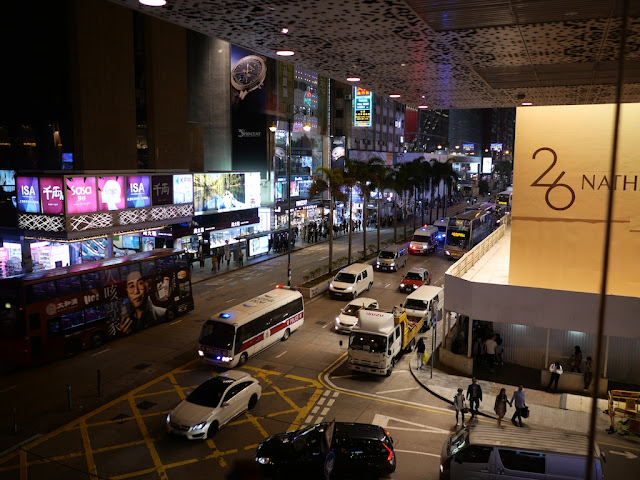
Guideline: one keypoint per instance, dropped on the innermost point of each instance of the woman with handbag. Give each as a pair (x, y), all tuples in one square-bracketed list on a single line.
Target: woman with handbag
[(501, 405), (460, 406)]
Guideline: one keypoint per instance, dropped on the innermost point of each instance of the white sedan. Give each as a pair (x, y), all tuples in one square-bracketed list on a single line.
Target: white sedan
[(348, 316), (214, 404)]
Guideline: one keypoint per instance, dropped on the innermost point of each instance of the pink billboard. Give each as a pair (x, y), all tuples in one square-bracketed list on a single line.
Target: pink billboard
[(111, 193), (81, 194), (52, 195)]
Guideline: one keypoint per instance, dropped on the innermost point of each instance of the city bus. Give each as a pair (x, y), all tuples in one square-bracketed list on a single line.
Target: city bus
[(230, 337), (50, 314), (467, 230), (487, 207), (506, 199)]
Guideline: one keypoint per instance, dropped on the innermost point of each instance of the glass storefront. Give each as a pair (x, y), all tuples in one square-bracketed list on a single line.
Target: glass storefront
[(10, 259)]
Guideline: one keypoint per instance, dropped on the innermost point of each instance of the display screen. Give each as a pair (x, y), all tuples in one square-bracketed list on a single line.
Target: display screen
[(224, 192), (362, 107), (162, 189), (111, 193), (28, 194), (487, 163), (52, 195), (81, 194), (183, 188), (131, 241), (496, 147), (467, 147), (138, 191)]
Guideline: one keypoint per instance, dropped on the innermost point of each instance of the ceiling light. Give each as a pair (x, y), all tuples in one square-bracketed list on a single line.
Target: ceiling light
[(353, 79), (306, 127), (153, 3), (285, 53), (423, 106), (526, 104), (273, 128), (403, 64), (284, 30), (424, 96), (395, 95)]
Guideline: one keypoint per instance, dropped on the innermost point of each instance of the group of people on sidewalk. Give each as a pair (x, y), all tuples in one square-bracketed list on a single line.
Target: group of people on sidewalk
[(576, 366), (474, 395)]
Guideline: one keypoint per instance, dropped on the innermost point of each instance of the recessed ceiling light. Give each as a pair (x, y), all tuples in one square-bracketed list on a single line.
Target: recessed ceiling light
[(153, 3), (403, 64), (284, 30), (423, 106), (526, 104), (285, 53), (424, 96), (353, 79), (395, 95)]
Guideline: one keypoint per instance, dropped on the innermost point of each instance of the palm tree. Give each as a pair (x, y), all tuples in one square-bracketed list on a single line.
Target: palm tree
[(450, 178), (332, 183), (383, 180), (416, 178), (438, 171), (426, 179), (349, 182), (404, 184), (365, 174)]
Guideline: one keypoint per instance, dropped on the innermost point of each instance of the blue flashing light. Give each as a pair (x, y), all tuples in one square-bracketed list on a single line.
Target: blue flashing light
[(225, 315)]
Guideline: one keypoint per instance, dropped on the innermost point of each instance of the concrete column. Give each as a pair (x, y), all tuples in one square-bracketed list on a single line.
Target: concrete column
[(606, 359), (546, 351), (108, 251), (469, 337)]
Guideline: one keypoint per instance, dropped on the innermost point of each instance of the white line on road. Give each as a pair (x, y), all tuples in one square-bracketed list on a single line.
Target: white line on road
[(343, 376), (101, 352), (281, 354), (417, 453), (232, 300), (325, 326), (323, 258), (325, 393), (315, 409), (309, 418), (387, 285), (398, 390), (331, 402), (177, 321), (321, 400), (325, 411), (7, 389)]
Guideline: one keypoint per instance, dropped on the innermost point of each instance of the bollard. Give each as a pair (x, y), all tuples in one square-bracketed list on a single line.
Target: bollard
[(69, 403), (99, 383), (15, 420)]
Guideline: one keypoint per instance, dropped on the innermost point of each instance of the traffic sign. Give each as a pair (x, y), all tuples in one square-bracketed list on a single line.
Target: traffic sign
[(328, 464)]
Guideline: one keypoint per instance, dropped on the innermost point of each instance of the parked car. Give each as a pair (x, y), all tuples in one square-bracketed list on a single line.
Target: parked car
[(348, 316), (359, 448), (414, 278), (214, 404)]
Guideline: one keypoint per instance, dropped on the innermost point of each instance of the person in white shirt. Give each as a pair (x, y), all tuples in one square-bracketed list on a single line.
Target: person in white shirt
[(490, 347), (556, 370)]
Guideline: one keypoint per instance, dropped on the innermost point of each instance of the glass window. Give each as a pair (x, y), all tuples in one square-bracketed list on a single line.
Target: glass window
[(71, 320), (180, 262), (523, 461), (93, 314), (64, 286), (164, 265), (112, 276), (148, 268), (54, 325), (475, 454), (92, 280)]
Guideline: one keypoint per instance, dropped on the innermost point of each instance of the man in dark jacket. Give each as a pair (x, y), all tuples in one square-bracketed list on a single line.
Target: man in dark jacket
[(474, 394)]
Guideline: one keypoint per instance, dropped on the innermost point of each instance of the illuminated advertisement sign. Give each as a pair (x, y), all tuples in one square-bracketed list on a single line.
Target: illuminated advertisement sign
[(467, 147), (496, 147), (138, 191), (487, 163), (362, 107), (162, 189), (224, 192), (111, 193), (183, 188), (81, 194), (52, 195), (28, 194)]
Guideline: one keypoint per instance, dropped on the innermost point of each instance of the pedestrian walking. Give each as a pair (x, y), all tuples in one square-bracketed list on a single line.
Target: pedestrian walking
[(219, 257), (556, 370), (474, 394), (499, 349), (420, 349), (490, 347), (460, 405), (214, 262), (577, 360), (477, 350), (227, 256), (240, 257), (201, 259), (500, 406), (518, 398), (588, 373)]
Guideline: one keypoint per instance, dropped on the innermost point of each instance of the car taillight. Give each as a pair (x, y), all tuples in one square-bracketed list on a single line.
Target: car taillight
[(390, 457)]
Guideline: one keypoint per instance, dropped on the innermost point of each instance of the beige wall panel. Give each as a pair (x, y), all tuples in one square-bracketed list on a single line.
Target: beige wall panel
[(560, 197), (103, 86), (166, 57)]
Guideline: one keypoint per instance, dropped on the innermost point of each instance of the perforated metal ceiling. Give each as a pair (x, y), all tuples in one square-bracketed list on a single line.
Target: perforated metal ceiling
[(455, 53)]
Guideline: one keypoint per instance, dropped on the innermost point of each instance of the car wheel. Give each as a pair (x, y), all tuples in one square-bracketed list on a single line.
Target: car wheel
[(355, 294), (286, 335), (243, 359), (170, 315), (369, 287), (97, 340), (212, 430), (252, 401)]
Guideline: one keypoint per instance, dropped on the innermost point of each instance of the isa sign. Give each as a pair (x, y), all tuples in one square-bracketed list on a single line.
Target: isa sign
[(81, 195), (28, 194), (138, 191), (52, 195)]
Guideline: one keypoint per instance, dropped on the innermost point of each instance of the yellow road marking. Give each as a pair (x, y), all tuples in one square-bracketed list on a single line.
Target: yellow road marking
[(145, 435), (177, 387), (256, 423), (302, 414), (88, 453)]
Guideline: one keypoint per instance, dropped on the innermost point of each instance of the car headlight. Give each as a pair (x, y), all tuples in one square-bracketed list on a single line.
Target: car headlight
[(263, 460), (198, 426), (226, 359), (378, 263), (330, 285), (415, 286), (446, 252), (393, 264), (402, 285), (168, 418), (337, 320), (350, 288), (200, 353)]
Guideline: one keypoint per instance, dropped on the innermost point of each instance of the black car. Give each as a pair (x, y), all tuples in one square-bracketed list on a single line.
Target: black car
[(359, 448)]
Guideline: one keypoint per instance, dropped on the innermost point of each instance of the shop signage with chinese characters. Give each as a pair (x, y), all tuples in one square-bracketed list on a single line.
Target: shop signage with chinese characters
[(81, 194), (52, 195), (362, 107)]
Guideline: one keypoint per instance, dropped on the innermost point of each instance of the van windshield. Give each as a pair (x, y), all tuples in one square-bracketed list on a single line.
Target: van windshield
[(458, 441), (217, 335), (345, 277), (368, 342), (415, 304), (421, 238), (386, 254)]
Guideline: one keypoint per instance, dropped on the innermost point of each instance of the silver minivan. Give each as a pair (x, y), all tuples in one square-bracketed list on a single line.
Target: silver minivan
[(488, 452), (392, 258)]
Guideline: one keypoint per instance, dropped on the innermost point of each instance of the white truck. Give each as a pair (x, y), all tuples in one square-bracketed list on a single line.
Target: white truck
[(379, 338)]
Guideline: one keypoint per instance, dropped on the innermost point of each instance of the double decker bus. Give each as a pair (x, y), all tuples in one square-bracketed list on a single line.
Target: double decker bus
[(230, 337), (505, 199), (467, 230), (51, 314), (489, 208)]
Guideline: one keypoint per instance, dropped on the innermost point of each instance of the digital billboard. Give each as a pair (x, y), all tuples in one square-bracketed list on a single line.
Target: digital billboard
[(467, 147), (162, 189), (223, 192), (52, 195), (487, 164), (138, 191), (28, 194), (496, 147), (183, 188), (362, 107), (111, 193), (81, 194)]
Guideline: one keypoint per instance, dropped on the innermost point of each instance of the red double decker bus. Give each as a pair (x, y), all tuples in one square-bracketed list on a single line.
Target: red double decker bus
[(56, 313)]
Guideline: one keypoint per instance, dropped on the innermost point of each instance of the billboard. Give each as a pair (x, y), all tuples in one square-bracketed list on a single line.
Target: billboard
[(183, 188), (162, 189), (111, 193), (468, 147), (28, 194), (487, 164), (81, 194), (138, 192), (362, 107), (496, 147), (52, 195), (224, 192)]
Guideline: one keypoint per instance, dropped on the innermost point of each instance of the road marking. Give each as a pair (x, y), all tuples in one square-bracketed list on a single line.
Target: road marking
[(309, 419), (625, 454), (325, 393), (321, 400), (281, 354), (177, 321), (7, 389), (343, 376), (323, 258), (325, 326), (417, 453), (387, 285), (232, 300), (325, 411), (100, 352), (398, 390), (383, 421), (315, 410), (331, 402)]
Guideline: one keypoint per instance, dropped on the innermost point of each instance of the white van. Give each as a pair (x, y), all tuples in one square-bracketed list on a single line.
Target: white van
[(351, 281), (392, 258), (424, 303), (424, 240), (516, 453)]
